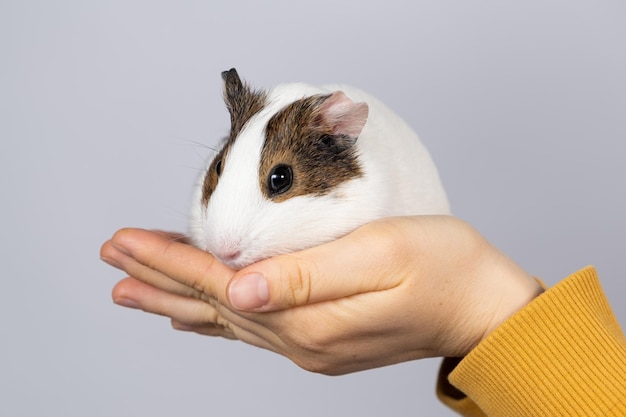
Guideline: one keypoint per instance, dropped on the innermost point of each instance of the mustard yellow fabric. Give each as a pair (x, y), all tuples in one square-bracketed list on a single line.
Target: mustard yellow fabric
[(562, 355)]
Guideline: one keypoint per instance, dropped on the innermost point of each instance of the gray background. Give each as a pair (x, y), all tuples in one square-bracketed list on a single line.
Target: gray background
[(522, 105)]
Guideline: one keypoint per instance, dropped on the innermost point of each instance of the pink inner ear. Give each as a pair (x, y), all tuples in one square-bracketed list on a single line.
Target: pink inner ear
[(344, 115)]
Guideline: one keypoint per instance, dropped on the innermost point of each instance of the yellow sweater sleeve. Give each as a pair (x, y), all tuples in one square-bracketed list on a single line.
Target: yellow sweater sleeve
[(564, 354)]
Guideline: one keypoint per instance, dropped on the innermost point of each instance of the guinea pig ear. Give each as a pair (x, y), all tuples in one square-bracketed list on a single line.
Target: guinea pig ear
[(232, 85), (344, 116), (241, 100)]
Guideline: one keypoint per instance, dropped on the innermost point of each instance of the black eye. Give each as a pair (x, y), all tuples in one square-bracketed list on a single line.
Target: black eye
[(218, 168), (327, 141), (280, 179)]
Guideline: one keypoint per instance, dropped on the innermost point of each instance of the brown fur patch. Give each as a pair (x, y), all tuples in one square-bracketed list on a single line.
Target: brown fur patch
[(242, 102), (300, 137), (212, 176)]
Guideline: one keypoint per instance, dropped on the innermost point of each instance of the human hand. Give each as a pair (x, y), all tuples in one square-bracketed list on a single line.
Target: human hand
[(394, 290)]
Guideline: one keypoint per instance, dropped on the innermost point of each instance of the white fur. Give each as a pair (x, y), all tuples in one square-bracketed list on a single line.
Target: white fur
[(400, 179)]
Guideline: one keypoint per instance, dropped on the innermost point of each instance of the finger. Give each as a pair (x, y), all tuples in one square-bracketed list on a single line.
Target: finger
[(368, 259), (179, 237), (119, 258), (205, 330), (190, 314), (183, 263), (131, 292), (233, 334)]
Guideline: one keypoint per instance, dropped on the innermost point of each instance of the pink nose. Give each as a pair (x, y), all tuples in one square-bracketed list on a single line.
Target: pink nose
[(227, 252), (230, 256)]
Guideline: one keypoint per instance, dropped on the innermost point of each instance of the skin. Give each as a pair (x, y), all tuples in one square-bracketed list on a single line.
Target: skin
[(394, 290)]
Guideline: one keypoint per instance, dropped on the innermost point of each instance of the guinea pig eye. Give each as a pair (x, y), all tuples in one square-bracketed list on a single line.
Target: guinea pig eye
[(280, 179), (218, 168)]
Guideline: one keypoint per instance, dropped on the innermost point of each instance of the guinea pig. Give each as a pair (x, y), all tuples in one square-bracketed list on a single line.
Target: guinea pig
[(304, 165)]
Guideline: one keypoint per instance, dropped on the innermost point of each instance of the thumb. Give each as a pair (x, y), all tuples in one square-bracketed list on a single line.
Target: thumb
[(366, 260)]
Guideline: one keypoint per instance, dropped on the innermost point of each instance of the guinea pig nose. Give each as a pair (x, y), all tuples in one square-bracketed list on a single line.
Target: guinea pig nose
[(231, 255)]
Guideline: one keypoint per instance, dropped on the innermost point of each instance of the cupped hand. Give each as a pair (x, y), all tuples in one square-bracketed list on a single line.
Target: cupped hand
[(394, 290)]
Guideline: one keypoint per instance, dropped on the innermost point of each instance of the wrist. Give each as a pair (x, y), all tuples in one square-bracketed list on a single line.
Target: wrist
[(520, 292), (499, 289)]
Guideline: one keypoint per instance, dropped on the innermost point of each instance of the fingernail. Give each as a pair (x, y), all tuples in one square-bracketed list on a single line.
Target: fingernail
[(126, 302), (111, 262), (182, 327), (249, 292), (120, 249)]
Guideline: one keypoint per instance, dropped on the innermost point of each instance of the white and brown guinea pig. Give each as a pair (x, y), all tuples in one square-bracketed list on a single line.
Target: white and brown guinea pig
[(304, 165)]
